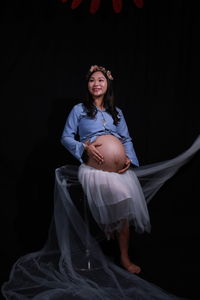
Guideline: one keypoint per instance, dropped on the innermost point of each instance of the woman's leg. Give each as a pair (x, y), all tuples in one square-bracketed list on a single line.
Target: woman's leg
[(123, 239)]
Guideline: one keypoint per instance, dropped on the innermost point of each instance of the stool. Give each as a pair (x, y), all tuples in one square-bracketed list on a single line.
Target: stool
[(70, 174)]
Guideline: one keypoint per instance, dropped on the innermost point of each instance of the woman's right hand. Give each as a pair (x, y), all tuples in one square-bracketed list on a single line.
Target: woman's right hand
[(92, 151)]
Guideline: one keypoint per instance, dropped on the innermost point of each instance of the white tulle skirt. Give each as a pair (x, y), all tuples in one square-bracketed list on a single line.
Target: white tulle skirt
[(114, 198)]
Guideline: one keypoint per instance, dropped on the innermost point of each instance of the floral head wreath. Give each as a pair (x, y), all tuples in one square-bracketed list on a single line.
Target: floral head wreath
[(96, 68)]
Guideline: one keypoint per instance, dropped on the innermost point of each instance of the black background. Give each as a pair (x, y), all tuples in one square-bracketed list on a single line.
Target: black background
[(153, 53)]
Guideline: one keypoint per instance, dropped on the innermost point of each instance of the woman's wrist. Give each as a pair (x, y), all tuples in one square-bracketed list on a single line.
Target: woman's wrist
[(86, 144)]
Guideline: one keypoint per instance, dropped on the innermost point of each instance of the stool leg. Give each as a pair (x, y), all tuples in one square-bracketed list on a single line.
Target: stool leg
[(87, 250)]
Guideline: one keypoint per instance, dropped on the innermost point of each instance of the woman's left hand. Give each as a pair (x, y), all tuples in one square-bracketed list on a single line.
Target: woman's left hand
[(126, 166)]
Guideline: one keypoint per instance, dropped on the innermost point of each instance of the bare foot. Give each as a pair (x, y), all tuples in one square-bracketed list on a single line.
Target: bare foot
[(130, 267)]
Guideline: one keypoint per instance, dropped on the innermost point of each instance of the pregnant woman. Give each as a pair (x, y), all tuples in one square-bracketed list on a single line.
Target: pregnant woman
[(106, 152), (109, 174)]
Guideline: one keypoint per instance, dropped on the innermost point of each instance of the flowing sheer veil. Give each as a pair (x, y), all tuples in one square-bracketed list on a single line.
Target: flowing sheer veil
[(71, 265)]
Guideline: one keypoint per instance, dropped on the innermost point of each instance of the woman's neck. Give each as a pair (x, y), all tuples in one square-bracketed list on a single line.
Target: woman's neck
[(99, 103)]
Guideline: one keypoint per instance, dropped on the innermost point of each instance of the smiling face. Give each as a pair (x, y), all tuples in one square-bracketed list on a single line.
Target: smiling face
[(97, 85)]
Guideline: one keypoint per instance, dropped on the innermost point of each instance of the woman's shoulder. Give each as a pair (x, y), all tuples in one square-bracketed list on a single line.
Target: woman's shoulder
[(79, 110), (79, 107)]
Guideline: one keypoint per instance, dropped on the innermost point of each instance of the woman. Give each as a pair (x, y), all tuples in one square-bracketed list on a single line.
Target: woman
[(64, 268), (114, 194)]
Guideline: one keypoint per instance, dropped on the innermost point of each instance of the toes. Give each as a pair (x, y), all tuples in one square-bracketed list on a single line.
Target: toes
[(133, 269)]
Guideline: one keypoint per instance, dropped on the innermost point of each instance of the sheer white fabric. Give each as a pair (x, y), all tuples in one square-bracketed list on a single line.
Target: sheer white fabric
[(114, 197), (71, 265)]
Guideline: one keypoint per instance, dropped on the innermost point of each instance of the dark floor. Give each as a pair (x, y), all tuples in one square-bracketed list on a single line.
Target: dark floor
[(170, 263)]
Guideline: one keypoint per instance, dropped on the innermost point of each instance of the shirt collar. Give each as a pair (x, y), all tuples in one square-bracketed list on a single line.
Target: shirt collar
[(99, 108)]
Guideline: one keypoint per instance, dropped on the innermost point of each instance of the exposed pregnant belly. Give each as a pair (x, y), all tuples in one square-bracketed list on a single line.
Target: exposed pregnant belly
[(113, 152)]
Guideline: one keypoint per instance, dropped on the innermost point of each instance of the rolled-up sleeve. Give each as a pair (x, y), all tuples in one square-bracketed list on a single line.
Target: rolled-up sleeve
[(68, 140), (126, 140)]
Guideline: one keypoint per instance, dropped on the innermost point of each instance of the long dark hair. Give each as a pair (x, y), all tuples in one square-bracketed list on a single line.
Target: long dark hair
[(108, 100)]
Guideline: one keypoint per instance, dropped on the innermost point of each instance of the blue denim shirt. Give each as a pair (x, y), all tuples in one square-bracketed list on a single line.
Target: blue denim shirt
[(88, 129)]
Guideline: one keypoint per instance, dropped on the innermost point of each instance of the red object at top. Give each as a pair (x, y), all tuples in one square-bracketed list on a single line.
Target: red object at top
[(95, 4), (75, 3), (139, 3), (117, 5)]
